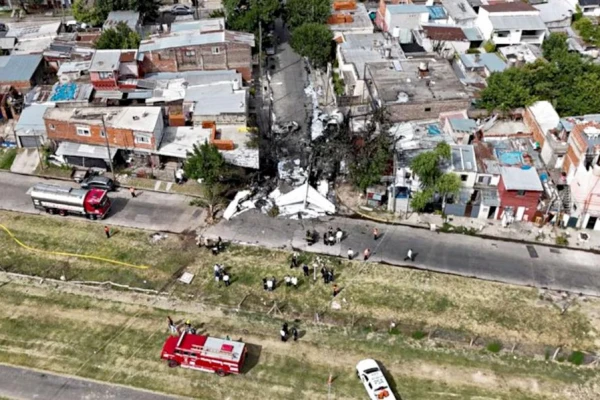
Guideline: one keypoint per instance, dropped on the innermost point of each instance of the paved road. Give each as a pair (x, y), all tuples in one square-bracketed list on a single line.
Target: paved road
[(150, 210), (25, 384), (558, 269)]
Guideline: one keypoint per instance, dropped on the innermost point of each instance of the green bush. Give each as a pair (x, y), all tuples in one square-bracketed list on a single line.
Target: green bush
[(562, 240), (7, 157), (473, 51), (494, 347), (489, 46), (418, 335), (395, 331), (576, 358)]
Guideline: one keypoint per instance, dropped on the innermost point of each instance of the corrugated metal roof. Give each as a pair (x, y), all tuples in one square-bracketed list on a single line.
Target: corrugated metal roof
[(407, 9), (106, 61), (32, 120), (521, 179), (491, 61), (463, 124), (19, 68), (518, 22), (194, 39), (472, 34), (130, 18), (459, 10)]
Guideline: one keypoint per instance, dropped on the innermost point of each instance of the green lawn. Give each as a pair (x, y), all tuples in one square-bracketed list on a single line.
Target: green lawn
[(7, 157)]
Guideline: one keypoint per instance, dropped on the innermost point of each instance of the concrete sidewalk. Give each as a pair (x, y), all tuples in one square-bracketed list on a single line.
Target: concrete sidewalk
[(496, 260)]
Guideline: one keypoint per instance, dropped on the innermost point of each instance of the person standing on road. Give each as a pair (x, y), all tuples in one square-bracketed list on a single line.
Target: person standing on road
[(367, 254), (350, 254), (375, 233), (339, 235), (409, 255), (107, 231), (132, 191)]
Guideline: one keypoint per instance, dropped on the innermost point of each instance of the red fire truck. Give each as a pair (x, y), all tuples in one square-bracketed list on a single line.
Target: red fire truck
[(204, 353), (63, 200)]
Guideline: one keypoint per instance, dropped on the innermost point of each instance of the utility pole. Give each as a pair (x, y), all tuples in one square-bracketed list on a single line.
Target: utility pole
[(260, 51), (112, 169)]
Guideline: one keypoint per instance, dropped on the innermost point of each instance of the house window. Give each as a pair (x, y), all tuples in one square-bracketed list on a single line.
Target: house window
[(427, 109), (463, 178), (190, 53), (102, 133), (83, 131), (216, 50), (52, 127), (105, 75), (520, 193), (142, 139)]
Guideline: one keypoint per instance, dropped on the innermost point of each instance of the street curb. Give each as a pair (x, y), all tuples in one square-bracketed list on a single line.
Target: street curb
[(487, 237), (60, 178)]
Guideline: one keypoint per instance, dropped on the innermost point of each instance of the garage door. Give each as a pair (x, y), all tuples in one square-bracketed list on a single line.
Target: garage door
[(29, 141)]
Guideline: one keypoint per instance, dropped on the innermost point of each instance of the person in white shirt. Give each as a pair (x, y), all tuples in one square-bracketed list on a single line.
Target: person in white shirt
[(409, 255), (283, 335), (288, 280), (350, 254), (295, 282), (226, 279), (270, 285), (338, 235)]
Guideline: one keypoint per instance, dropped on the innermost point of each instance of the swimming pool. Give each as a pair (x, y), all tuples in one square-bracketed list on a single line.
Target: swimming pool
[(508, 157)]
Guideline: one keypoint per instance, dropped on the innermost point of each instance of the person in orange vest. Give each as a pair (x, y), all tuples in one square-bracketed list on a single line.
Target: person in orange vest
[(336, 290), (107, 231), (367, 254)]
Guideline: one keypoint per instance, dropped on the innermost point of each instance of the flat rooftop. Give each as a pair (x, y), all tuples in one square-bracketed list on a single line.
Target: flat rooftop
[(142, 119), (178, 141), (360, 49), (215, 99), (399, 81), (360, 20), (462, 158)]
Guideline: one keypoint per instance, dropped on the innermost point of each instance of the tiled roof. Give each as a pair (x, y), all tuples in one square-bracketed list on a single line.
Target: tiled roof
[(508, 7)]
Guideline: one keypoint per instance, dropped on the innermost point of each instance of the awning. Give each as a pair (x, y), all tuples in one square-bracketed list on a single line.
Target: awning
[(84, 150)]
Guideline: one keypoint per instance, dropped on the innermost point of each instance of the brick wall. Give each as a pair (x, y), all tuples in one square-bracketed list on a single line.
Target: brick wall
[(530, 121), (221, 119), (511, 198), (235, 56), (121, 138), (416, 111)]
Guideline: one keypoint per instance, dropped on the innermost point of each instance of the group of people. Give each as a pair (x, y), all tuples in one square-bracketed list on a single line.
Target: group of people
[(330, 237), (269, 284), (175, 330), (221, 274), (327, 274), (291, 281), (284, 333)]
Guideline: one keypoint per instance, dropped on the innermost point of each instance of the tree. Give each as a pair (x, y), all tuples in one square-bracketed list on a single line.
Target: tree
[(426, 164), (314, 41), (448, 184), (555, 46), (246, 15), (212, 199), (122, 37), (205, 162), (371, 161), (95, 12), (299, 12), (420, 200)]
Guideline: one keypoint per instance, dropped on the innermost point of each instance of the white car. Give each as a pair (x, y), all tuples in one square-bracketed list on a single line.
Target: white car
[(372, 377)]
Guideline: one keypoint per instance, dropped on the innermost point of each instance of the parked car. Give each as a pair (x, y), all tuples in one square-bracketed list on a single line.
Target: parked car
[(79, 175), (181, 9), (372, 377), (98, 182)]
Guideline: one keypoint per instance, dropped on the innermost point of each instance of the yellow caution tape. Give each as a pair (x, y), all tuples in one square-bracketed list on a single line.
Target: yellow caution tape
[(59, 253)]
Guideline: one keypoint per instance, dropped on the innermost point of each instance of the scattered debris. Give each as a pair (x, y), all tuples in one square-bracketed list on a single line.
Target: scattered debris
[(233, 207), (186, 278), (583, 236), (157, 237), (290, 171), (292, 204)]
